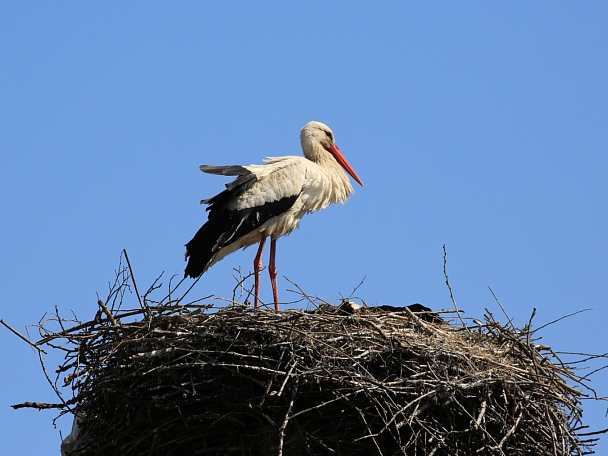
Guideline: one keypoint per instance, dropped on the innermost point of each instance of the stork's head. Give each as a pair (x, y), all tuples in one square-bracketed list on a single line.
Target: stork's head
[(316, 137)]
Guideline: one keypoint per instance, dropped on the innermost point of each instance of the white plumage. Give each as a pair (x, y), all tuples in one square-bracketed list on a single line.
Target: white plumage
[(270, 200)]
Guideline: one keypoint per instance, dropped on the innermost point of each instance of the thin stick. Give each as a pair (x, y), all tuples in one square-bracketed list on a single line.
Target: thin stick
[(38, 405), (107, 312), (188, 290), (447, 282), (17, 333), (294, 394), (501, 307), (559, 319), (142, 303)]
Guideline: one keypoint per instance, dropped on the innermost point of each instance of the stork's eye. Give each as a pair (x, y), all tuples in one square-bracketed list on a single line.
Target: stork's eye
[(329, 135)]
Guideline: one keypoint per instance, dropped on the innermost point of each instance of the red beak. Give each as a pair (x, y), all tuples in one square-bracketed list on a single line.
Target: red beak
[(340, 158)]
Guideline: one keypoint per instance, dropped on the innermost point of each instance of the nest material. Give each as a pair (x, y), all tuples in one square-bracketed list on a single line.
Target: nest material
[(194, 380)]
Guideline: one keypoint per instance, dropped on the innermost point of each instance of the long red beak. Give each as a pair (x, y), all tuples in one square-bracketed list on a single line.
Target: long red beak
[(340, 158)]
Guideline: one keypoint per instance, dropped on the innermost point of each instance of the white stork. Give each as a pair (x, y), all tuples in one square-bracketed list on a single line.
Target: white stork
[(270, 200)]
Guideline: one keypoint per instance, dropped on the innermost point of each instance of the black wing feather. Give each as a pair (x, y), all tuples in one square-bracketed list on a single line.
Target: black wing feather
[(225, 226)]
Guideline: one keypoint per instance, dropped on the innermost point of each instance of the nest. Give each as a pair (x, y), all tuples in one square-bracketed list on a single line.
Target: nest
[(194, 379)]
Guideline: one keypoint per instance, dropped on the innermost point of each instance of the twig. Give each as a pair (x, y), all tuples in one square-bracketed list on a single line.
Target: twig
[(294, 394), (559, 319), (142, 303), (107, 312), (38, 405), (510, 432), (502, 308), (21, 336), (447, 282)]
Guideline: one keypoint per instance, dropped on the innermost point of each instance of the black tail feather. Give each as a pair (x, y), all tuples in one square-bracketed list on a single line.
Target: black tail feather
[(200, 252)]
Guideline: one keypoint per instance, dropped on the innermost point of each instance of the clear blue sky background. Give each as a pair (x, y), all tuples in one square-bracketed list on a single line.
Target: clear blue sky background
[(479, 125)]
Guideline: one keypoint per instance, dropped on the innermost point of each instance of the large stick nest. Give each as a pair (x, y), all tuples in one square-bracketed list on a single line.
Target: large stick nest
[(199, 380)]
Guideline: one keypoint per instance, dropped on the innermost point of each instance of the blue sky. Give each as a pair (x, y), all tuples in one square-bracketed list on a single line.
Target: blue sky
[(479, 125)]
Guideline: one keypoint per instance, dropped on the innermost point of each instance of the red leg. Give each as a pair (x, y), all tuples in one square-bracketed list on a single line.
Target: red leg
[(272, 269), (257, 267)]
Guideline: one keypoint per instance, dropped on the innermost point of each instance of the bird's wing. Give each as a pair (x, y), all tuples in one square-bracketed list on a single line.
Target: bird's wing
[(255, 197), (230, 170), (233, 189), (258, 184), (281, 178)]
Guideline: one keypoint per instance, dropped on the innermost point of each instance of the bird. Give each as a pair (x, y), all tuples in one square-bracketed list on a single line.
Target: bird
[(268, 201)]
